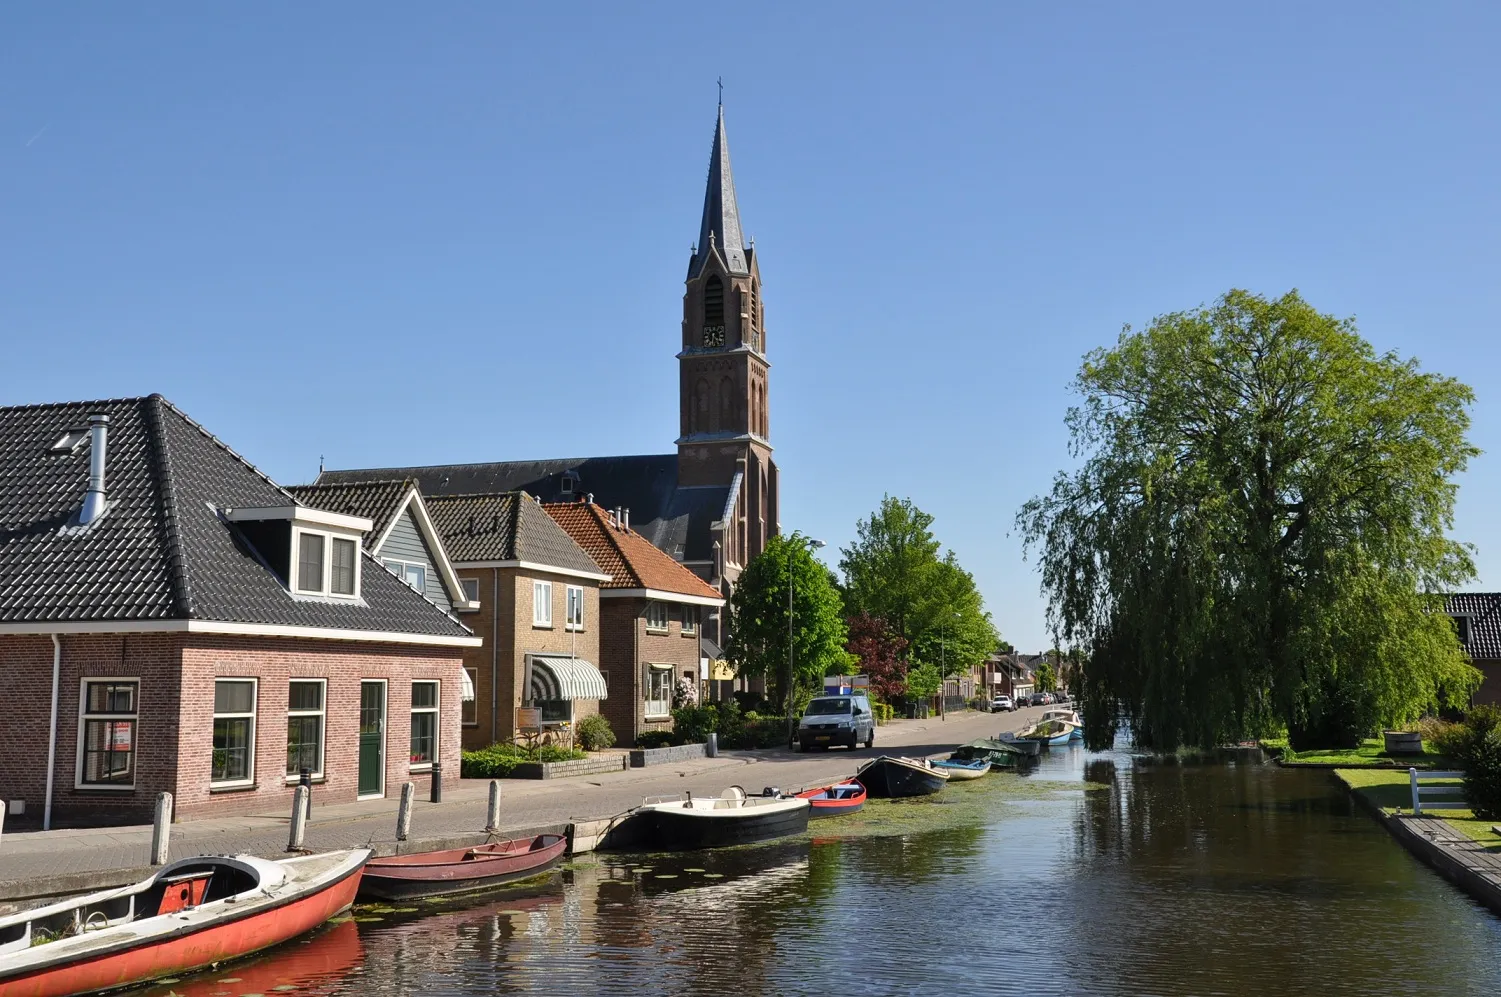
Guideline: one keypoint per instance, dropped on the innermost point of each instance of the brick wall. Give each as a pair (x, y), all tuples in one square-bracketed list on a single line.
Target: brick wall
[(628, 649), (531, 639), (492, 631)]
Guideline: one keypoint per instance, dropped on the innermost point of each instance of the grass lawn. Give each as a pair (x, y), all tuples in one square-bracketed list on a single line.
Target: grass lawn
[(1390, 790), (1370, 754)]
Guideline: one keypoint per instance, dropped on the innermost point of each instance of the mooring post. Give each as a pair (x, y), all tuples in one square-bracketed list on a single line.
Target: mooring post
[(404, 814), (305, 778), (299, 819), (435, 793), (161, 828), (492, 813)]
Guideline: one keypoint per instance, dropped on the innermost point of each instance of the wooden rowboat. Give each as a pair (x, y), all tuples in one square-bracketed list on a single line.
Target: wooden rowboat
[(191, 915), (898, 777), (961, 771), (460, 870), (833, 801)]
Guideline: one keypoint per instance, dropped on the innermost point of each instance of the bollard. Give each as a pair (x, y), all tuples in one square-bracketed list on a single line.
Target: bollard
[(299, 819), (306, 779), (711, 745), (492, 814), (404, 814), (2, 815), (161, 828), (435, 793)]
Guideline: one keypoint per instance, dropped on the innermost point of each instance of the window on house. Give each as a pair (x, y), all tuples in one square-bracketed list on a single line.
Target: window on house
[(471, 588), (556, 711), (310, 562), (1462, 628), (108, 736), (658, 690), (656, 616), (424, 724), (234, 732), (469, 710), (690, 620), (541, 604), (305, 712), (341, 580), (575, 607), (413, 573)]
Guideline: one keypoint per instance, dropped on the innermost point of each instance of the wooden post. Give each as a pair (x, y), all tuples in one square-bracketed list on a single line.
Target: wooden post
[(404, 814), (299, 819), (161, 827), (492, 813), (305, 778)]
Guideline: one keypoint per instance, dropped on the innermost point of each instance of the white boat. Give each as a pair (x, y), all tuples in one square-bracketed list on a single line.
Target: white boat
[(732, 818)]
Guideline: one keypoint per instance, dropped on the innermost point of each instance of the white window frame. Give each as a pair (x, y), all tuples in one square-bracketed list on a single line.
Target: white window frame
[(471, 596), (472, 704), (690, 619), (322, 715), (255, 703), (400, 569), (540, 620), (84, 716), (666, 704), (666, 623), (325, 587), (437, 711), (574, 597)]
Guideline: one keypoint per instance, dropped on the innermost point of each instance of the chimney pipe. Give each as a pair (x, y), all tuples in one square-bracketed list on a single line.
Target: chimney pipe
[(93, 502), (625, 522)]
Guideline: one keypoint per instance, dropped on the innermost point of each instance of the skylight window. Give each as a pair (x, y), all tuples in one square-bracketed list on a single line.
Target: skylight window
[(70, 441)]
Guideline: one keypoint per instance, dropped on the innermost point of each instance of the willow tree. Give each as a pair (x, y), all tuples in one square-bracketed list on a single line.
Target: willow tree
[(1257, 532)]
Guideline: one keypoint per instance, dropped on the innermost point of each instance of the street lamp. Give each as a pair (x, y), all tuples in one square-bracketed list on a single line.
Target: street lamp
[(815, 544)]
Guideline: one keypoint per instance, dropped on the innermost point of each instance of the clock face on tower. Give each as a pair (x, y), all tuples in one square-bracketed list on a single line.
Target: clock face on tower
[(713, 335)]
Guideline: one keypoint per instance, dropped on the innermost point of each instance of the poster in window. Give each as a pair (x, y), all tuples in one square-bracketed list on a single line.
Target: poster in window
[(120, 737)]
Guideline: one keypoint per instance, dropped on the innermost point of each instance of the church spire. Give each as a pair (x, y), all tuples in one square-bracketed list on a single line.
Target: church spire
[(720, 228)]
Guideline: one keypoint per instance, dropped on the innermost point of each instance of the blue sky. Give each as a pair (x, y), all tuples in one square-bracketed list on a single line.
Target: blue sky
[(391, 234)]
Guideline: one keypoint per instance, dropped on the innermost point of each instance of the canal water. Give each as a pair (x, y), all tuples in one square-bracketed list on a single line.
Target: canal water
[(1099, 874)]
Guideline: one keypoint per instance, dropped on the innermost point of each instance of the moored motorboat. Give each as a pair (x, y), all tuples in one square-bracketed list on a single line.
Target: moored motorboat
[(1030, 748), (835, 801), (1053, 733), (1066, 716), (460, 870), (959, 770), (732, 818), (192, 914), (1000, 754), (889, 776)]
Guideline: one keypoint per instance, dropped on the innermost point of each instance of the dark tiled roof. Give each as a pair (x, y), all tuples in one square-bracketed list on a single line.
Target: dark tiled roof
[(675, 519), (163, 550), (376, 501), (631, 561), (509, 526), (1484, 612)]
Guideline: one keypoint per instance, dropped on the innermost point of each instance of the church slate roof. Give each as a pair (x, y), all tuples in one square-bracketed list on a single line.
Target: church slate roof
[(721, 220), (1484, 612), (676, 520), (631, 561), (509, 526), (163, 549)]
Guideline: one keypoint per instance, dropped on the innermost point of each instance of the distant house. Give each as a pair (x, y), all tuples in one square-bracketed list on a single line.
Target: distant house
[(1477, 623), (1011, 674), (651, 618), (533, 596), (172, 620)]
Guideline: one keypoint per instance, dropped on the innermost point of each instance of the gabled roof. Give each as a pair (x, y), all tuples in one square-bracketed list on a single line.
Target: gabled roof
[(629, 558), (719, 230), (1484, 612), (675, 519), (510, 526), (377, 501), (164, 550)]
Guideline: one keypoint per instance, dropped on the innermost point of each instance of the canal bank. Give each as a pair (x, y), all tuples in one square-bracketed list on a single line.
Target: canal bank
[(51, 863)]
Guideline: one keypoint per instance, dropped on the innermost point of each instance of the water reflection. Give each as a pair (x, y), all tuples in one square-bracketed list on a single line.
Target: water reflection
[(1187, 878)]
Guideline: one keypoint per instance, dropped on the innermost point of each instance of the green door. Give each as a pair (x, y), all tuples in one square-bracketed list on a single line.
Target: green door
[(372, 739)]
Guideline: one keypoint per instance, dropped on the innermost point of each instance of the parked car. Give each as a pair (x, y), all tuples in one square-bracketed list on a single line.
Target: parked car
[(831, 720), (1041, 699), (1001, 703)]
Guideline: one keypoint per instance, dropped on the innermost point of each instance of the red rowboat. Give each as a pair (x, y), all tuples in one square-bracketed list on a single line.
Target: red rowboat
[(191, 915), (460, 870), (831, 801)]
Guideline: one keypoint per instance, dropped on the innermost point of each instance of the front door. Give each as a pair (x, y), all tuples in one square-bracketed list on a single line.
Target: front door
[(372, 739)]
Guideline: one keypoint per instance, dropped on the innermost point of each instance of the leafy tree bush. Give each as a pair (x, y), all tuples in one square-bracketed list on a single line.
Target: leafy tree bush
[(880, 650), (594, 733), (499, 760), (1475, 743), (658, 739)]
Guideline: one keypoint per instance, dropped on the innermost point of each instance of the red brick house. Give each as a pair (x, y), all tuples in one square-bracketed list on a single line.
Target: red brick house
[(172, 620), (651, 613)]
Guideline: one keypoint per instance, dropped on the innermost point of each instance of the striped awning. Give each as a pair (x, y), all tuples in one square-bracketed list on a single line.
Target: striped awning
[(467, 689), (558, 676)]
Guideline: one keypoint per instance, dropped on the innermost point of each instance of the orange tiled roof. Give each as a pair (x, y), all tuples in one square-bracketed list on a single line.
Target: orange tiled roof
[(629, 558)]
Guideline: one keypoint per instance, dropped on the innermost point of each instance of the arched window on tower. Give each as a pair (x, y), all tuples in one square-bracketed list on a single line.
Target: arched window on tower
[(755, 311), (698, 417), (726, 405), (713, 311)]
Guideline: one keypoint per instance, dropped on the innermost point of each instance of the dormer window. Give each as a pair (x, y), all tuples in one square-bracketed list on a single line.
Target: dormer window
[(310, 562), (317, 552), (327, 564), (570, 484)]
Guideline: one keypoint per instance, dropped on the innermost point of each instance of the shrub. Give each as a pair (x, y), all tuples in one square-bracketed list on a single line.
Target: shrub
[(657, 739), (499, 760), (1340, 714), (1483, 775), (1443, 736), (594, 733), (749, 702), (883, 712), (685, 693)]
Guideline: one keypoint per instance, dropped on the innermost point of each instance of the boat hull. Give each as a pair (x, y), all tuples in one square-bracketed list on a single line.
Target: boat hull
[(443, 873), (893, 779), (216, 942), (824, 805), (687, 830), (964, 772)]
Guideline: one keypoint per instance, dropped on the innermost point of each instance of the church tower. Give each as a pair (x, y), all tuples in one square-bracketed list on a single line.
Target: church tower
[(725, 427)]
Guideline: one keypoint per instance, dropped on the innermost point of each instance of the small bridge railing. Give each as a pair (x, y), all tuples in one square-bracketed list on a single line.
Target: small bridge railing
[(1439, 797)]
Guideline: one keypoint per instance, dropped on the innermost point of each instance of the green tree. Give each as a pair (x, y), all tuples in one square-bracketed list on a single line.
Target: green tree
[(760, 625), (922, 682), (1257, 532), (1047, 678)]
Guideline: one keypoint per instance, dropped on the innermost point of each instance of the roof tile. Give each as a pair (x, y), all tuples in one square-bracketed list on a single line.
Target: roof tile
[(631, 560)]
